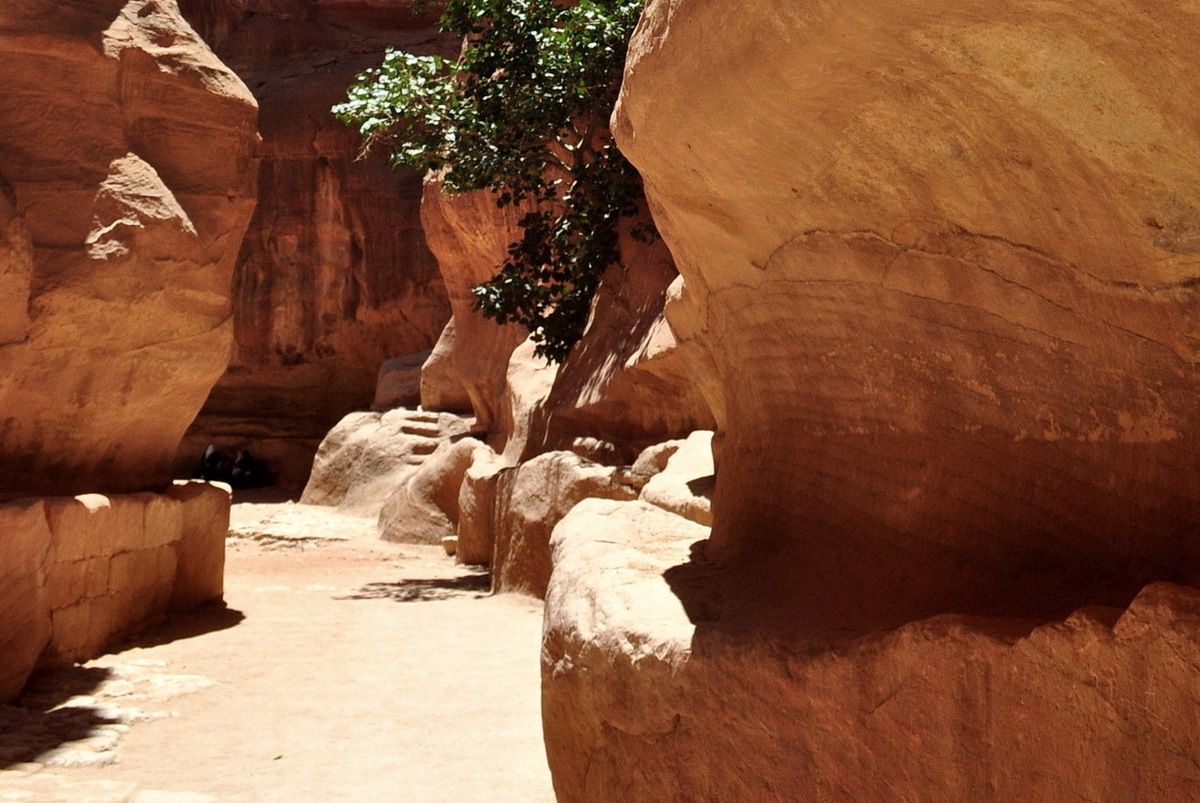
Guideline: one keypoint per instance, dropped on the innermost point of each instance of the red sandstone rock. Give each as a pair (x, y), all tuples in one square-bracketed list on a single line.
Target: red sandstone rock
[(684, 486), (424, 509), (399, 382), (477, 508), (627, 382), (1099, 706), (126, 183), (368, 456), (530, 500), (470, 236), (940, 259), (334, 277)]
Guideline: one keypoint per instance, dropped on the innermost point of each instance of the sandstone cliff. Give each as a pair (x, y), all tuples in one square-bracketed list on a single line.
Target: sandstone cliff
[(941, 261), (126, 184), (334, 276)]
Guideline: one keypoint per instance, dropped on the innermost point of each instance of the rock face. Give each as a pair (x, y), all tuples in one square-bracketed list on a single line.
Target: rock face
[(1100, 706), (334, 276), (81, 572), (368, 456), (424, 509), (941, 260), (126, 183), (628, 382), (530, 500), (962, 316), (470, 236)]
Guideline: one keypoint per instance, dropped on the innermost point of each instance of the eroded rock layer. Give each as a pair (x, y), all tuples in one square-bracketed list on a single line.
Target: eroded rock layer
[(126, 183), (334, 277), (646, 696), (942, 261)]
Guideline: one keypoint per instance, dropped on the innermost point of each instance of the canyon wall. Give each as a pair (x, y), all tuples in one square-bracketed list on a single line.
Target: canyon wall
[(126, 183), (941, 262), (334, 276)]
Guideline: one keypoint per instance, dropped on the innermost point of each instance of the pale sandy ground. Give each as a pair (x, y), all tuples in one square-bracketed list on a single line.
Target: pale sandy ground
[(361, 671)]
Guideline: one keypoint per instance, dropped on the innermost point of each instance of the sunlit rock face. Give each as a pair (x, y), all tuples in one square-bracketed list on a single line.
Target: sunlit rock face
[(942, 258), (126, 183), (944, 262), (334, 277)]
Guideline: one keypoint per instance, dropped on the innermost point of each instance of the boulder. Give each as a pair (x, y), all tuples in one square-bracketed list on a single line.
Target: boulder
[(530, 499), (651, 461), (477, 508), (424, 510), (647, 697), (367, 456), (685, 484), (528, 380), (119, 227)]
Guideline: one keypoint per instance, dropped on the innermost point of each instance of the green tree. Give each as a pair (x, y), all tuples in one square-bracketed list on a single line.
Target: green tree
[(523, 112)]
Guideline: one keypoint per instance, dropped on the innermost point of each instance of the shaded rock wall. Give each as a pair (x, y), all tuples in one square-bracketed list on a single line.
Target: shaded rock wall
[(334, 276), (126, 183), (626, 383), (81, 572), (470, 236)]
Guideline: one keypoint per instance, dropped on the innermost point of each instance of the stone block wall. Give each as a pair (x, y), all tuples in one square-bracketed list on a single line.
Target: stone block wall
[(81, 572)]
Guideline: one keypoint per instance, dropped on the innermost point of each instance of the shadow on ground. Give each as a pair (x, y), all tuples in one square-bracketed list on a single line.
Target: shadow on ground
[(426, 590), (206, 619), (38, 722)]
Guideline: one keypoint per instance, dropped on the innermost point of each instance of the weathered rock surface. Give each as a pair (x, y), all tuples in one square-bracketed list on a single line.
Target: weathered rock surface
[(470, 236), (684, 485), (960, 318), (477, 508), (81, 572), (126, 183), (950, 356), (334, 276), (424, 510), (530, 499), (627, 382), (399, 382), (25, 626), (1100, 706), (368, 456)]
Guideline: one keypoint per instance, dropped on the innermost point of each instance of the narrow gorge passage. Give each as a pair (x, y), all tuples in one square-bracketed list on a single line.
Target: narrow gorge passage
[(344, 668)]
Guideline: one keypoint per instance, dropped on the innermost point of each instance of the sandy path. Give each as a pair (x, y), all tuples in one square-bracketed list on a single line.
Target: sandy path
[(361, 671)]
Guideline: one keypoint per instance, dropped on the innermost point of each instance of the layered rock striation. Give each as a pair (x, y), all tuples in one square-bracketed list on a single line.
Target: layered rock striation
[(957, 324), (940, 262), (126, 184)]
